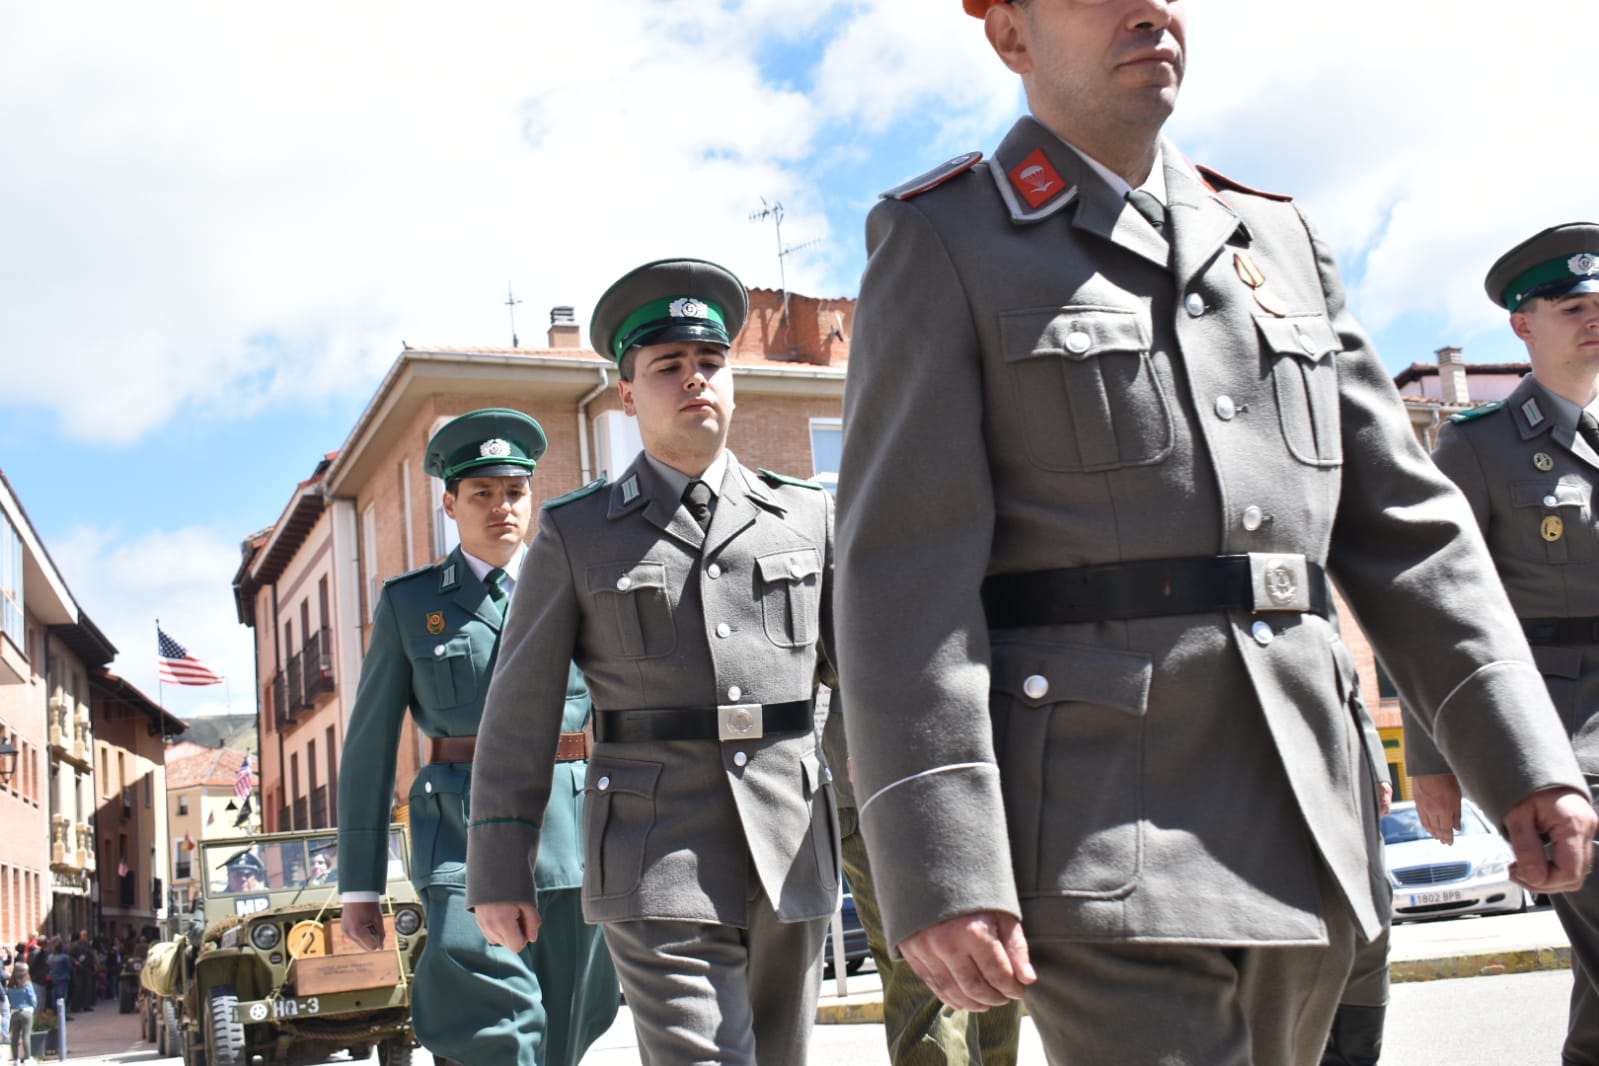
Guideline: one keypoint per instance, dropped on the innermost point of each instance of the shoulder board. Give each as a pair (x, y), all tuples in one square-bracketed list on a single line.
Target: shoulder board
[(775, 479), (1477, 412), (1217, 181), (409, 574), (933, 178), (576, 494)]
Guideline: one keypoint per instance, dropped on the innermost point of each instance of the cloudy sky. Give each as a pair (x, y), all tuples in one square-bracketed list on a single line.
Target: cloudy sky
[(219, 222)]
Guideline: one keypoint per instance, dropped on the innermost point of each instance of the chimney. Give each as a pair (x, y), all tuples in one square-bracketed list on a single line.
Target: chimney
[(563, 328), (1454, 389)]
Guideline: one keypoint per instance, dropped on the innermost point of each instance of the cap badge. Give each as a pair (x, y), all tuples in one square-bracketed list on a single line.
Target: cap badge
[(494, 449), (1583, 264), (687, 307)]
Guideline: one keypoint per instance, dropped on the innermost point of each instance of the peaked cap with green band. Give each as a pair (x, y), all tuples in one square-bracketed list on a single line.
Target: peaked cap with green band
[(493, 442), (669, 300), (1560, 261)]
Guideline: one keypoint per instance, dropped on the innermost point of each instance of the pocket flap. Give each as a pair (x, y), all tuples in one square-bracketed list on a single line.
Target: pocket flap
[(1039, 674), (1558, 662), (796, 565), (1536, 493), (1071, 332), (622, 775), (626, 577), (1308, 336)]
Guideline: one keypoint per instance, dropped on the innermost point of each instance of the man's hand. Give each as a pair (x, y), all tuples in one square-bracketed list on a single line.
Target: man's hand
[(363, 923), (512, 925), (972, 961), (1385, 798), (1566, 817), (1438, 804)]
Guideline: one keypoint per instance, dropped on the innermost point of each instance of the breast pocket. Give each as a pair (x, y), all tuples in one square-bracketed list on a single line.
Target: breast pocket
[(1303, 350), (1069, 734), (790, 591), (634, 608), (618, 815), (1086, 388), (444, 674)]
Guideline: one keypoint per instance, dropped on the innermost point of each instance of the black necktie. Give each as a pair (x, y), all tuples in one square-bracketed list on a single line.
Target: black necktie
[(497, 591), (697, 498), (1148, 206), (1588, 430)]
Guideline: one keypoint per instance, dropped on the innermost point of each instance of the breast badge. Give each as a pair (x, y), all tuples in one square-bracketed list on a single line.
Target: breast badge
[(1552, 529), (1543, 461), (435, 622), (1251, 275)]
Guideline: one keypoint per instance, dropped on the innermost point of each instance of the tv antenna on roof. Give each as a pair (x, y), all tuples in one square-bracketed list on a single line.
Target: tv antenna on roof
[(511, 301), (774, 211)]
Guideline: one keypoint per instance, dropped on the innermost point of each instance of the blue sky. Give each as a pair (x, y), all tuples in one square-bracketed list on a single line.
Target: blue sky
[(222, 221)]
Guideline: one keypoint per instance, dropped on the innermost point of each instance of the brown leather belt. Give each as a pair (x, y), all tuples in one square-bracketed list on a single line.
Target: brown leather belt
[(572, 747)]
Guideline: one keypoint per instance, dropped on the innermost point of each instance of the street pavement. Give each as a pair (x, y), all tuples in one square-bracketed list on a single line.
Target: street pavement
[(1512, 1010)]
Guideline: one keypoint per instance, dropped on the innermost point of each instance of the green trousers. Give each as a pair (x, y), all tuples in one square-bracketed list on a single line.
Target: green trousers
[(920, 1030)]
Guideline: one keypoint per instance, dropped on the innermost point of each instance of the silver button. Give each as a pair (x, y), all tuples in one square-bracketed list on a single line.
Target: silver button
[(1305, 342), (1262, 633), (1225, 408), (603, 783), (1253, 516), (427, 786), (1078, 341), (795, 567), (438, 649), (723, 629), (1195, 304), (734, 692), (1550, 501), (740, 758), (1036, 687), (713, 571), (624, 583)]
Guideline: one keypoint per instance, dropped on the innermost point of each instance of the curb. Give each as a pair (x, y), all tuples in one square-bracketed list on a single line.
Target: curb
[(868, 1009)]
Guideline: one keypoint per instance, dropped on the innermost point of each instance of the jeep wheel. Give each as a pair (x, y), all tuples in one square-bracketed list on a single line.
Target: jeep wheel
[(224, 1037), (395, 1051), (168, 1037)]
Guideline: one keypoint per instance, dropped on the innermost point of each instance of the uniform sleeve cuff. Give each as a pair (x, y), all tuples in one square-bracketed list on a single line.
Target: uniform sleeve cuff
[(500, 856)]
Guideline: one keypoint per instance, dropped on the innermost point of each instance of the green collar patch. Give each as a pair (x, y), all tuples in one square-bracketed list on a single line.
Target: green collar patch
[(783, 479), (576, 494), (1477, 412)]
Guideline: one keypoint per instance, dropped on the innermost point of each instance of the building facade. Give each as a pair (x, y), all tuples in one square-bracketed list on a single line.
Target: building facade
[(202, 804)]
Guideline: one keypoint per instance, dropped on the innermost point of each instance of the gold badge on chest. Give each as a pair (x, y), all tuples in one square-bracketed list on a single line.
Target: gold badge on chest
[(1543, 461), (1255, 278), (435, 622), (1552, 529)]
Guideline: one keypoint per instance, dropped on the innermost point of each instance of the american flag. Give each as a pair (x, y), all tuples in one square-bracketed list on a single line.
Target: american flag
[(242, 781), (178, 667)]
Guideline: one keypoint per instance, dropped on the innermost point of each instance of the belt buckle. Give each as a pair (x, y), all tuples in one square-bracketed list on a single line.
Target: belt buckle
[(1279, 581), (739, 721)]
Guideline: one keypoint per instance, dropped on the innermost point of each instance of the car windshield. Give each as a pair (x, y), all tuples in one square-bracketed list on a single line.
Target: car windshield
[(240, 869), (1404, 825)]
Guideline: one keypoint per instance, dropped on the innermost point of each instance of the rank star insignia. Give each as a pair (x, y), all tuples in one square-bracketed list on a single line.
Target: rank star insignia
[(435, 622), (687, 307), (495, 448), (1583, 264), (1543, 461)]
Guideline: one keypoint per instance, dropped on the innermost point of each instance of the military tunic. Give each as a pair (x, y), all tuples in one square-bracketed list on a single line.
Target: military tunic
[(1530, 480), (736, 834), (1039, 380), (435, 638)]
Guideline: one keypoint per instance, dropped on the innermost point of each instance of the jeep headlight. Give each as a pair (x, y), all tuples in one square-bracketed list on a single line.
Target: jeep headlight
[(265, 935), (407, 921)]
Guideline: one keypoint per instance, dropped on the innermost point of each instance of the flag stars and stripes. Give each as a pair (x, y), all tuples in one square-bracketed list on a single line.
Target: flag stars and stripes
[(178, 667)]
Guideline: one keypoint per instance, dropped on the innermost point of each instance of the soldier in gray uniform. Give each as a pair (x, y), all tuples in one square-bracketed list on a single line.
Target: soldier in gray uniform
[(695, 595), (1109, 429), (1530, 468)]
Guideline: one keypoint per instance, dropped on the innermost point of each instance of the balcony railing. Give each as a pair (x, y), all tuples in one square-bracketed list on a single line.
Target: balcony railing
[(319, 808), (281, 713), (285, 820), (302, 816), (316, 667)]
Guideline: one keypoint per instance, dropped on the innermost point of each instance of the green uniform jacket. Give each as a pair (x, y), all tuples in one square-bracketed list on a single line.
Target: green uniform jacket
[(433, 648)]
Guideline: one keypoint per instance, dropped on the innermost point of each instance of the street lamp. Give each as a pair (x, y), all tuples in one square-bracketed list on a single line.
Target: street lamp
[(8, 761)]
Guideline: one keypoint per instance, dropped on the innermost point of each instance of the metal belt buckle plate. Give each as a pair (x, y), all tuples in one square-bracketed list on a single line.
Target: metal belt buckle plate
[(739, 721), (1279, 581)]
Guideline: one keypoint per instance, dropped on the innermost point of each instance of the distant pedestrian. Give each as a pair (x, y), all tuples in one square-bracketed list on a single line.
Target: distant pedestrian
[(21, 1002), (58, 968)]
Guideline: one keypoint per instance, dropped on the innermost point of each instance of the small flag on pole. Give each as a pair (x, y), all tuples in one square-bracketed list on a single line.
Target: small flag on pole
[(243, 783), (178, 667)]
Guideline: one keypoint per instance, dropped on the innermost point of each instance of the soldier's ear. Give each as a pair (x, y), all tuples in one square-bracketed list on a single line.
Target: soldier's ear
[(624, 390), (1520, 323), (1006, 32), (449, 503)]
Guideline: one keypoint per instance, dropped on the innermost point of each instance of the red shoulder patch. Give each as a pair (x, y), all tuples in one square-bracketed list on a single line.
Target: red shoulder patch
[(933, 178), (1216, 181)]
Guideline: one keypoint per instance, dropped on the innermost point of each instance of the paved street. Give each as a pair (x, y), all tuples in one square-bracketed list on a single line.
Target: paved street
[(1512, 1017)]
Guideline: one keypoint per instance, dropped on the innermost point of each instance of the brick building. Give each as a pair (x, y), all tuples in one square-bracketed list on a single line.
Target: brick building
[(308, 584)]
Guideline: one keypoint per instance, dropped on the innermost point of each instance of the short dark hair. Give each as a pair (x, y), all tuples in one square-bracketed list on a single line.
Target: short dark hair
[(453, 486), (627, 364)]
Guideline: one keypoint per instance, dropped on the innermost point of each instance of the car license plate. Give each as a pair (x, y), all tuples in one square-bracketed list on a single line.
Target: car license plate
[(1432, 899)]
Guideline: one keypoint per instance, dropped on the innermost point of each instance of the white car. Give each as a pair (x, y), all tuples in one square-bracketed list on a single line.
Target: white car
[(1433, 880)]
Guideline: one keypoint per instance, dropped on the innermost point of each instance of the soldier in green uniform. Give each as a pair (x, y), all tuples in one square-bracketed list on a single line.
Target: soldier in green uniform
[(435, 637), (1530, 468)]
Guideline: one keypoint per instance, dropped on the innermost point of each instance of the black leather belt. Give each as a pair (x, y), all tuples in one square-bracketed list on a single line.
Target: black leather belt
[(1153, 588), (1561, 630), (739, 721)]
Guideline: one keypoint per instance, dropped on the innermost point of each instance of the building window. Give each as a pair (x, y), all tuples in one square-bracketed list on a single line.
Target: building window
[(827, 448), (12, 619), (369, 557), (183, 804)]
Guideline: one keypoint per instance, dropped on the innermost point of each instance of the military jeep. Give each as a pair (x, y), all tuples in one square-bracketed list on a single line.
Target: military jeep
[(261, 972)]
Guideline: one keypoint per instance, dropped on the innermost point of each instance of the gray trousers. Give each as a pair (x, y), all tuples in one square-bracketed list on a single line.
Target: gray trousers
[(703, 993), (1579, 914), (1179, 1005)]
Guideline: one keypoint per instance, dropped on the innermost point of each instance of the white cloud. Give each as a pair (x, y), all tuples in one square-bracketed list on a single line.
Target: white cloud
[(181, 576)]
